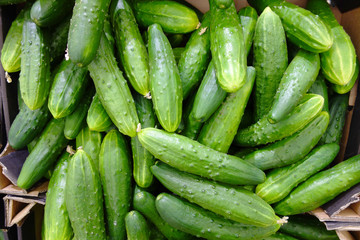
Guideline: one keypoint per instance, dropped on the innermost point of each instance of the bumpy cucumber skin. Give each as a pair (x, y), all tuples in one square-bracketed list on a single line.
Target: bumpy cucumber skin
[(202, 223), (190, 156), (263, 132), (296, 81), (115, 172), (58, 40), (67, 89), (195, 58), (84, 199), (49, 146), (227, 47), (269, 50), (279, 236), (290, 149), (86, 29), (90, 141), (56, 224), (233, 203), (173, 17), (112, 90), (50, 12), (165, 83), (248, 18), (97, 119), (219, 131), (131, 48), (281, 181), (136, 226), (319, 87), (342, 89), (35, 65)]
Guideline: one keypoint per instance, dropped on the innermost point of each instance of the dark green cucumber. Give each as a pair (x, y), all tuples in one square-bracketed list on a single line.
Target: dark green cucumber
[(130, 46), (279, 236), (113, 90), (195, 58), (9, 2), (233, 203), (296, 81), (84, 198), (279, 182), (219, 131), (97, 119), (90, 142), (202, 223), (302, 27), (165, 83), (49, 146), (108, 30), (269, 50), (177, 53), (192, 127), (248, 18), (342, 89), (319, 87), (144, 202), (136, 226), (115, 172), (56, 224), (86, 29), (190, 156), (173, 17), (58, 40), (263, 132), (227, 47), (34, 78), (290, 149), (47, 13), (321, 188)]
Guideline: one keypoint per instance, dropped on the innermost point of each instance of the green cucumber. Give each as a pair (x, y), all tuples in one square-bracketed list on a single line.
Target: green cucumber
[(219, 131), (34, 78), (177, 53), (136, 226), (269, 50), (190, 156), (31, 145), (130, 46), (227, 47), (342, 89), (173, 17), (165, 83), (319, 87), (195, 58), (97, 119), (115, 172), (56, 224), (296, 81), (49, 146), (202, 223), (248, 18), (233, 203), (192, 127), (223, 3), (109, 31), (90, 142), (84, 199), (9, 2), (47, 13), (86, 29), (113, 90), (263, 132), (279, 182), (279, 236), (58, 40), (321, 188), (290, 149)]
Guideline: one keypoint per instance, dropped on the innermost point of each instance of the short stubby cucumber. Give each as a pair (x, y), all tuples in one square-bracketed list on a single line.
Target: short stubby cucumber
[(46, 13), (90, 142), (248, 18), (342, 89), (136, 226), (319, 87), (97, 119)]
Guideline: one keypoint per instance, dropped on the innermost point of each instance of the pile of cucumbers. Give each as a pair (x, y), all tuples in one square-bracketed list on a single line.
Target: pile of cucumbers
[(153, 124)]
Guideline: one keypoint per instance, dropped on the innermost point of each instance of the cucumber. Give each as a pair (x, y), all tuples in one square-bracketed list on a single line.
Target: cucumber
[(115, 172), (109, 31), (202, 223), (195, 58), (319, 87), (263, 132), (339, 62), (227, 47), (219, 131), (136, 226), (279, 182), (31, 145), (165, 83), (58, 40), (97, 119), (279, 236), (173, 17), (177, 53), (296, 81), (9, 2), (56, 224), (223, 3), (314, 36), (86, 29), (342, 89), (90, 142), (190, 156), (34, 77), (248, 18), (321, 188), (192, 127), (130, 46), (290, 149), (47, 13), (235, 204), (49, 146), (83, 198), (113, 90), (269, 50)]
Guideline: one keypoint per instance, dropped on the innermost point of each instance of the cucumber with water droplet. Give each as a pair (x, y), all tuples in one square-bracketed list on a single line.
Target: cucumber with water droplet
[(46, 13), (97, 119), (248, 18), (319, 87), (90, 141), (136, 226)]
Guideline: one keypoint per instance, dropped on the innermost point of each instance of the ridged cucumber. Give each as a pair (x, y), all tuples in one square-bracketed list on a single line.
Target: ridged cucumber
[(342, 89), (97, 119), (47, 13), (319, 87), (136, 226), (248, 18), (90, 142)]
